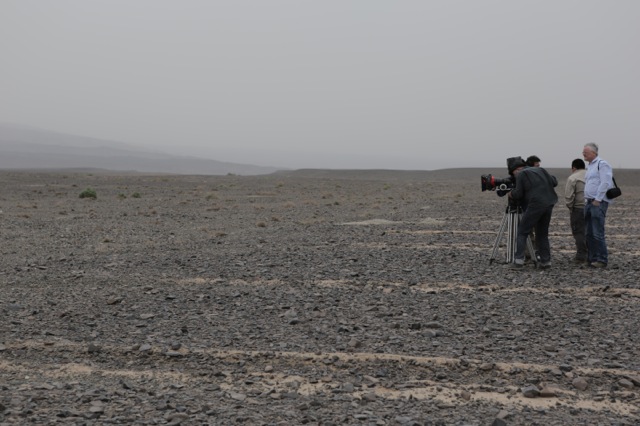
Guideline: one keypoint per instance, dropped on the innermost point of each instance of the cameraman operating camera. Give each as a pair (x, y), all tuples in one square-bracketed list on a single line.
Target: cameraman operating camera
[(534, 188)]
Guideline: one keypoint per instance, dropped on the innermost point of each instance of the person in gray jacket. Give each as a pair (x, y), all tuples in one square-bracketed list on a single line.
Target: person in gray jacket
[(574, 200), (534, 187)]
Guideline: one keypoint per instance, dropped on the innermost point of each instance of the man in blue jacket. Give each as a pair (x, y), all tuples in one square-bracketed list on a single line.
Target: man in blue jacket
[(534, 187)]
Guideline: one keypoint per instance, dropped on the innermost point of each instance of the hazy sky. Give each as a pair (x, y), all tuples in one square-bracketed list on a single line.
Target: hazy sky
[(396, 84)]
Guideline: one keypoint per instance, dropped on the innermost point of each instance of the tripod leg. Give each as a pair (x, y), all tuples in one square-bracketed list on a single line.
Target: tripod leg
[(512, 242), (498, 238)]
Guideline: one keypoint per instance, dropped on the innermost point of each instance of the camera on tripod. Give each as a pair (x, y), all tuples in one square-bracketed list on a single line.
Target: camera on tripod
[(513, 212)]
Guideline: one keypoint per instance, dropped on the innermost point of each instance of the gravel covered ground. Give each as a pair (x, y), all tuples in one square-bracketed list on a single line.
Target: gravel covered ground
[(309, 297)]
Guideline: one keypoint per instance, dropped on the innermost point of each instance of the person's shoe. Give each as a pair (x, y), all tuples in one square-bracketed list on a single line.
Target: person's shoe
[(517, 264), (598, 264), (579, 260), (544, 265)]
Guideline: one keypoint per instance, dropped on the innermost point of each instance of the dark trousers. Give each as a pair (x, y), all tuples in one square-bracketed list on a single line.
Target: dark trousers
[(578, 231), (537, 218)]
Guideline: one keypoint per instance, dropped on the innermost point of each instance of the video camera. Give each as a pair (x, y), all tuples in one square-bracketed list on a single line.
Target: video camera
[(502, 185)]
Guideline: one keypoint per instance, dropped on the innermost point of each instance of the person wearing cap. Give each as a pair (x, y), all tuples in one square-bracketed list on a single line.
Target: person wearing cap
[(535, 188)]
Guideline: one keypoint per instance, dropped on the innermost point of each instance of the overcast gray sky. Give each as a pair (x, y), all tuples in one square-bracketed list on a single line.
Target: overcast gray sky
[(331, 83)]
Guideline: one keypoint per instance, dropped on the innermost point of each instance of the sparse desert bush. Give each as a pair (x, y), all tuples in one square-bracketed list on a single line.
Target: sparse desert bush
[(261, 225), (136, 195), (89, 193), (122, 196)]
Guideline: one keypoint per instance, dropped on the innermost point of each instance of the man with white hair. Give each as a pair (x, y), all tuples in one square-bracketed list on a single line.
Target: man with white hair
[(598, 179)]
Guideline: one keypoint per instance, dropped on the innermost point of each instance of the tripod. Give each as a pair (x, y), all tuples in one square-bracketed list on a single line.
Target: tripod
[(510, 221)]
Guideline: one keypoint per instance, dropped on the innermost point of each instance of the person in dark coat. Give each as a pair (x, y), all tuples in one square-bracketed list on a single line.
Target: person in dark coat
[(534, 187)]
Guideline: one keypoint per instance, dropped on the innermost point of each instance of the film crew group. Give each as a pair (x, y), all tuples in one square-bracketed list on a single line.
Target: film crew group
[(531, 194)]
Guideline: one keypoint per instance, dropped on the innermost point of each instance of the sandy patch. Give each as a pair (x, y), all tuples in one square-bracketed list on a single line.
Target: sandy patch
[(448, 394), (371, 222)]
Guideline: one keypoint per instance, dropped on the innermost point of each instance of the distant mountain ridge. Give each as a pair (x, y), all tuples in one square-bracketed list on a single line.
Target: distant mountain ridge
[(23, 147)]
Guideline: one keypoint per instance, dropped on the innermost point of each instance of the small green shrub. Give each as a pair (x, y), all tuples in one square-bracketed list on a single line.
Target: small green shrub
[(136, 195), (89, 193)]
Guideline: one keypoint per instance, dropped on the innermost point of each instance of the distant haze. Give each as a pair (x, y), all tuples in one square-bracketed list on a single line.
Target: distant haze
[(23, 147), (412, 84)]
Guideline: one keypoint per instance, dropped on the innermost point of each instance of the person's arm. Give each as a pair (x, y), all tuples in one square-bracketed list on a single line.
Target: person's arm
[(606, 179), (518, 192), (570, 192)]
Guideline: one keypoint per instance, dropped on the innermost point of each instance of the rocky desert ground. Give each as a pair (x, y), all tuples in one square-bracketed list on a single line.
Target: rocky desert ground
[(308, 297)]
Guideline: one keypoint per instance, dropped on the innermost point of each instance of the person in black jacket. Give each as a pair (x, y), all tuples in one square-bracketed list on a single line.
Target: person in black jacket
[(534, 187), (533, 161)]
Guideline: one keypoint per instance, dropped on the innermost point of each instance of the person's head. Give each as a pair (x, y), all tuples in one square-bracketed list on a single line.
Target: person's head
[(533, 161), (577, 164), (517, 170), (590, 152), (515, 164)]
